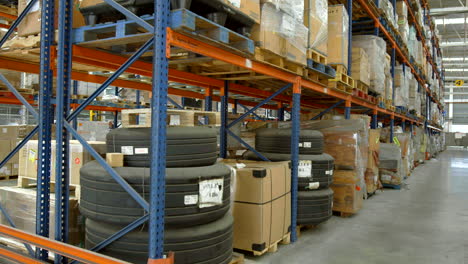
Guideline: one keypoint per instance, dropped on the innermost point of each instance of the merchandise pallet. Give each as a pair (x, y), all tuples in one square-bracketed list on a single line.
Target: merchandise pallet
[(222, 71)]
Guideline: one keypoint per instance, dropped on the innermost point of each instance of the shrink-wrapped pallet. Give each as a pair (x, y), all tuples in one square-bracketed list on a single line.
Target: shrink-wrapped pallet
[(375, 48), (316, 20), (390, 164)]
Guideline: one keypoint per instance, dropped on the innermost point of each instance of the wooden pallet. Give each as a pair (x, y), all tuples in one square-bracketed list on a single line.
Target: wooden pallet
[(84, 97), (21, 91), (316, 56), (392, 186), (343, 214), (8, 177), (278, 61), (124, 32), (33, 41), (361, 86), (302, 228), (25, 182), (237, 258), (8, 10), (174, 118), (274, 246), (342, 81)]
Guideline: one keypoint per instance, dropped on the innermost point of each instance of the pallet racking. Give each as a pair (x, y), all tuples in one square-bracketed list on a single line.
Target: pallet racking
[(289, 92)]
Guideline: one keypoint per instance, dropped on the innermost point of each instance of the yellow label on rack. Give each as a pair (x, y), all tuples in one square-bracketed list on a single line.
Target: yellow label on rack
[(396, 141), (459, 82)]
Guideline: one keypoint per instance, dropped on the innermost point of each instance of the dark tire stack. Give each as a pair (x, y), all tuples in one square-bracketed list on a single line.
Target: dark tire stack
[(315, 198), (195, 231)]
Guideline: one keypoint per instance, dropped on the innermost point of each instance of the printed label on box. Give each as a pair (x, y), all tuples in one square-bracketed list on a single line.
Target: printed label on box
[(174, 120), (32, 155), (127, 150), (329, 172), (307, 144), (211, 192), (305, 169), (141, 150), (236, 3), (190, 199), (4, 130), (313, 185)]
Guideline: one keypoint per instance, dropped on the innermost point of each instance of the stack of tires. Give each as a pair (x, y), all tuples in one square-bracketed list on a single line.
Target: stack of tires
[(198, 226), (315, 198)]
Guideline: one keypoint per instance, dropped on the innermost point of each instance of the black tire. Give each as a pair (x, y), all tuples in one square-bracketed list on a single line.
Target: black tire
[(204, 244), (279, 141), (185, 146), (322, 168), (103, 199), (314, 207)]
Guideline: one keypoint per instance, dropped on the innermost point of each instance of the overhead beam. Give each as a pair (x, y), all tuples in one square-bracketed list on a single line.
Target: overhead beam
[(448, 11)]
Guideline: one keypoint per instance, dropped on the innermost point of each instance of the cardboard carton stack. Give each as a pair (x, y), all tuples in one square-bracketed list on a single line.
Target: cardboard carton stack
[(390, 164), (403, 140), (338, 27), (372, 172), (402, 86), (316, 20), (402, 20), (10, 137), (281, 30), (262, 204), (360, 70)]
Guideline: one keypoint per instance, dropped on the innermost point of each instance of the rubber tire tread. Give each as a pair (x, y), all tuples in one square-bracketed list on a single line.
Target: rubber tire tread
[(314, 207), (185, 146), (208, 244), (277, 140), (320, 165), (103, 199)]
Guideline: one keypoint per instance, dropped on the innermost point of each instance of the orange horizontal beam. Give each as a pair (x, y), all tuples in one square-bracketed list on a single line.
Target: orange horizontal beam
[(60, 248), (9, 16), (19, 258)]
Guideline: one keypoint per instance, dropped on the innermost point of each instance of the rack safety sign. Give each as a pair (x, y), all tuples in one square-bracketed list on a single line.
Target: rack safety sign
[(459, 82)]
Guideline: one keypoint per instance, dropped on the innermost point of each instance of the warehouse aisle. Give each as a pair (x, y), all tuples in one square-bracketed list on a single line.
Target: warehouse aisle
[(426, 222)]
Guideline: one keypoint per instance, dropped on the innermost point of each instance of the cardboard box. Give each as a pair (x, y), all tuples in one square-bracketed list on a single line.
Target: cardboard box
[(31, 24), (338, 27), (6, 170), (316, 20), (249, 7), (360, 70), (348, 195), (28, 159), (21, 206), (401, 9), (262, 203), (267, 34), (115, 159)]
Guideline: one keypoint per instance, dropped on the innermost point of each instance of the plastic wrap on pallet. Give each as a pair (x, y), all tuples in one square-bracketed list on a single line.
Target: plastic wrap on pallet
[(390, 164), (316, 20), (20, 203), (338, 42), (403, 140), (294, 8), (281, 33), (401, 9), (387, 8), (401, 86), (375, 48), (360, 66), (403, 28), (388, 87)]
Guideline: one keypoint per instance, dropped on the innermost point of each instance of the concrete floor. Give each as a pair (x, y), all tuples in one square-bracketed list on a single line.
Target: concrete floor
[(424, 222)]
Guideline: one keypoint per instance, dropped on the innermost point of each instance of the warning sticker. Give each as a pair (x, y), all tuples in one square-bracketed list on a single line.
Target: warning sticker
[(32, 155), (127, 150), (305, 169), (211, 192), (77, 161), (190, 199)]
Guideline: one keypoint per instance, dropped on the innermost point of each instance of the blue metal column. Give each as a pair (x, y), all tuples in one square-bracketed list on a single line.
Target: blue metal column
[(234, 108), (137, 99), (349, 7), (182, 101), (280, 112), (75, 92), (208, 99), (62, 177), (376, 29), (347, 109), (375, 121), (392, 127), (46, 117), (392, 70), (403, 125), (116, 119), (295, 118), (158, 131), (224, 120), (411, 128)]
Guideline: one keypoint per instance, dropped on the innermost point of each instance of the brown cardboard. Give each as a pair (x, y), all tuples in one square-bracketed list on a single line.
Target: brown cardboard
[(31, 24), (268, 40), (348, 196), (338, 35), (294, 54), (402, 9), (115, 159), (6, 170), (317, 23), (20, 204), (28, 159), (249, 7), (360, 70)]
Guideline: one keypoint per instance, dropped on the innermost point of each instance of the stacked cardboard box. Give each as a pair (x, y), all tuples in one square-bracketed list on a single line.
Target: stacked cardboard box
[(402, 21), (262, 203), (403, 140), (402, 86), (360, 70), (316, 20), (375, 48), (10, 137), (372, 172), (338, 27), (390, 164), (281, 33), (388, 78), (78, 156)]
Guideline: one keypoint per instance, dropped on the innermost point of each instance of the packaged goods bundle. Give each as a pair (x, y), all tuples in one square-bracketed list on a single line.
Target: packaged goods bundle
[(388, 78), (387, 8), (338, 42), (316, 20), (281, 33), (390, 164), (375, 48), (360, 70), (401, 86)]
